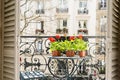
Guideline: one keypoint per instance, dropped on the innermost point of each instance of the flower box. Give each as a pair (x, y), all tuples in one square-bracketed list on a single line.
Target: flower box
[(69, 46)]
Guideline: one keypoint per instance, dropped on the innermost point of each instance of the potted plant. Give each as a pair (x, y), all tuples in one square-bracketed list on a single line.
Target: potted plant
[(55, 46), (81, 47), (69, 48)]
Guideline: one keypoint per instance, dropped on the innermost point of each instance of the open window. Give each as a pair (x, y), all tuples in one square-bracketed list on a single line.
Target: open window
[(83, 8), (12, 60), (62, 6), (82, 24), (40, 7), (62, 26)]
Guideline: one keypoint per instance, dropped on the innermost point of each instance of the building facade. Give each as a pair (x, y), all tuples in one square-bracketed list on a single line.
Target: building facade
[(71, 17), (101, 18)]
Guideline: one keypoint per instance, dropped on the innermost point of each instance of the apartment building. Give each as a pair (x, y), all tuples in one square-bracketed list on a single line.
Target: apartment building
[(71, 17), (101, 18)]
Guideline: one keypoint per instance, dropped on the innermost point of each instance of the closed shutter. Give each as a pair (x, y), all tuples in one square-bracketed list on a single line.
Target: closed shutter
[(114, 36), (10, 22)]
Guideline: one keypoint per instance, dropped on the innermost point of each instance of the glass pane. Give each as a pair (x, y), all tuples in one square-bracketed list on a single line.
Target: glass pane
[(40, 4), (39, 25), (64, 23)]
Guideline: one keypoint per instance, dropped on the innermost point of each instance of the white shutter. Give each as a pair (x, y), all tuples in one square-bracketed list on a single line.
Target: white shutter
[(10, 24), (114, 40)]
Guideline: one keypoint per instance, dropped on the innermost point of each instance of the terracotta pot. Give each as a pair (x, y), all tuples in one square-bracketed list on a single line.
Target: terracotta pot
[(82, 53), (70, 53), (56, 53)]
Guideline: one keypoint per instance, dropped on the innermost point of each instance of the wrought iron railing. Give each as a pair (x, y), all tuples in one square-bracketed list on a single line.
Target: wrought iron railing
[(62, 10), (102, 5), (83, 31), (83, 11), (40, 11), (36, 61), (61, 31)]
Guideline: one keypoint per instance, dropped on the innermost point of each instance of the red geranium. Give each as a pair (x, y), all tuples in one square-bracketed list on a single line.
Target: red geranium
[(72, 38), (52, 39), (58, 36), (80, 36)]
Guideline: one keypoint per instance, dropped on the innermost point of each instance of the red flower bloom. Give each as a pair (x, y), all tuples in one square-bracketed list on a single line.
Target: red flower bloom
[(72, 38), (52, 39), (57, 36), (80, 36)]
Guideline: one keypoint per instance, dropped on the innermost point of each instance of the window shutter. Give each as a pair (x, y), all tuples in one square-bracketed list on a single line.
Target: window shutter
[(0, 45), (10, 22), (114, 40)]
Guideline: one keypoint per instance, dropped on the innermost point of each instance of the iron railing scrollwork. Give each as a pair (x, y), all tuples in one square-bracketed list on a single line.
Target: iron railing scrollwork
[(35, 57)]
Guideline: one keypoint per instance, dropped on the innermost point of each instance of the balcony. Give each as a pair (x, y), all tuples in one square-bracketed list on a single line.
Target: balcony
[(83, 11), (102, 6), (62, 10), (62, 31), (83, 31), (39, 31), (40, 11), (36, 61)]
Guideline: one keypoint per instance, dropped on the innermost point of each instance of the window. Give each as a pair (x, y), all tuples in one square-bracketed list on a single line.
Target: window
[(62, 6), (102, 4), (40, 7), (103, 23), (62, 26), (83, 7), (10, 47), (82, 24), (82, 27), (39, 27), (62, 23)]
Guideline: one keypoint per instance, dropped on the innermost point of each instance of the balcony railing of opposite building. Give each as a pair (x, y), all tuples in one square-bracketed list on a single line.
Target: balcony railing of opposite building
[(61, 31), (83, 31), (62, 10), (40, 11), (102, 5), (83, 11)]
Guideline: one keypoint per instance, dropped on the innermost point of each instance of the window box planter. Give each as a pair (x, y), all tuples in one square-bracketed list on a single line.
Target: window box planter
[(82, 53), (56, 53), (65, 30), (68, 46), (70, 53), (58, 31), (37, 31)]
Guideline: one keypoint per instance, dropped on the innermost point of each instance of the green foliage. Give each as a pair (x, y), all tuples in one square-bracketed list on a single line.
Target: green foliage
[(68, 45), (80, 45), (76, 45), (55, 46)]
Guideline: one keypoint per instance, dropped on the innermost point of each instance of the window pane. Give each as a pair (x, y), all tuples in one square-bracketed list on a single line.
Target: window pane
[(64, 23), (40, 4)]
